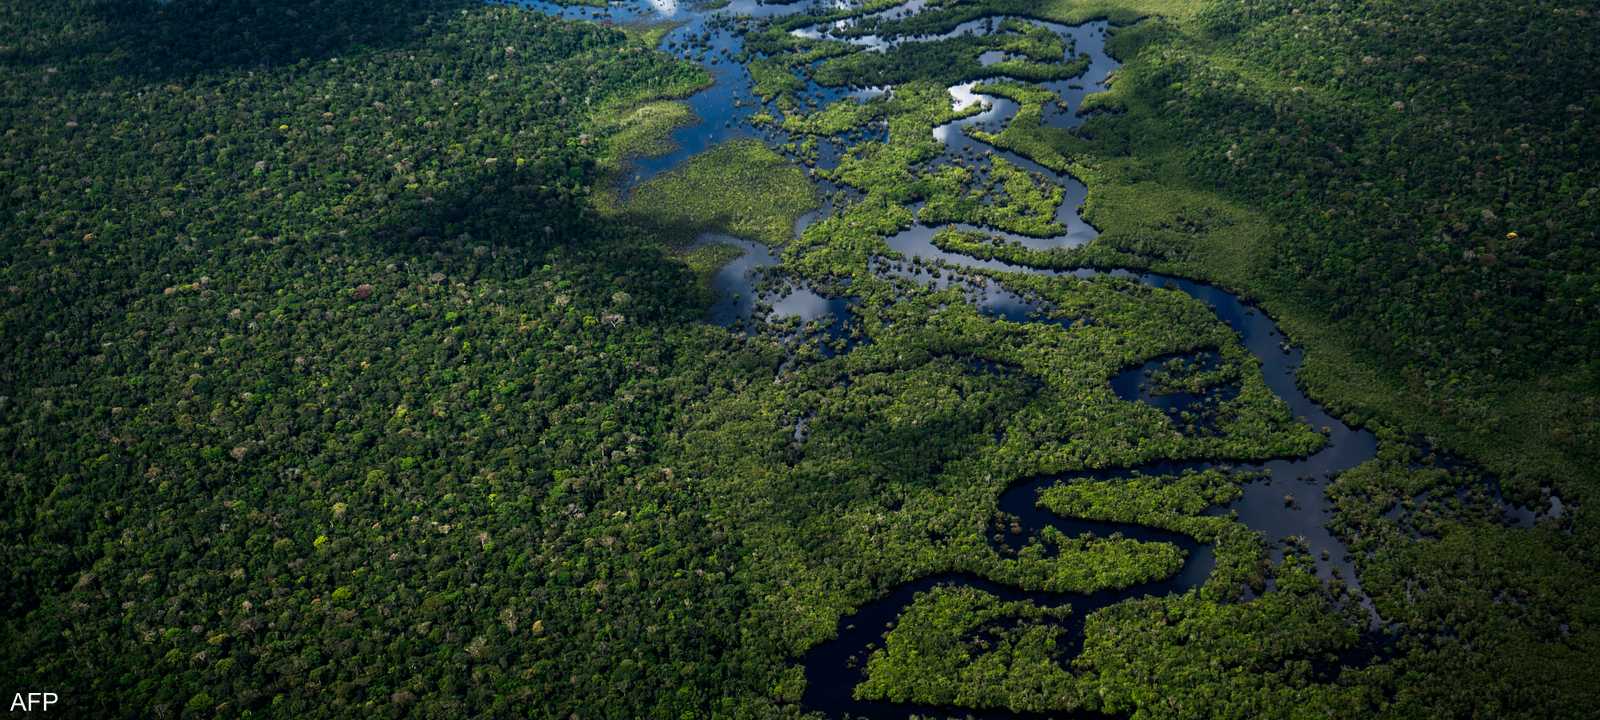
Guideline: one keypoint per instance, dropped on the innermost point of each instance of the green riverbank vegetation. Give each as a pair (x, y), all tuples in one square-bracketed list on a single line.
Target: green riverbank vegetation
[(347, 378)]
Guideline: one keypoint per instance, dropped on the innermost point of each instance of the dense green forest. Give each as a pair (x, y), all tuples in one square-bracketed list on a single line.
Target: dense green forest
[(344, 377)]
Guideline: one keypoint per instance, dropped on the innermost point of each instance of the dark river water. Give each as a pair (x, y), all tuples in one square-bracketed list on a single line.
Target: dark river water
[(834, 668)]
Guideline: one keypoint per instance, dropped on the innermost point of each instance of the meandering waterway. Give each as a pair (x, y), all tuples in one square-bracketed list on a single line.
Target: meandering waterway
[(833, 669)]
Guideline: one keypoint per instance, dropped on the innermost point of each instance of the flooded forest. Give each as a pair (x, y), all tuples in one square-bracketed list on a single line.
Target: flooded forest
[(806, 359)]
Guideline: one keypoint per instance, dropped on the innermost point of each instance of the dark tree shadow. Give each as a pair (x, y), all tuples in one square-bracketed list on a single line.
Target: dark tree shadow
[(511, 223), (902, 453), (149, 41)]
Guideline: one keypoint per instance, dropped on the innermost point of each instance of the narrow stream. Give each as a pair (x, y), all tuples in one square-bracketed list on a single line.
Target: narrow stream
[(834, 668)]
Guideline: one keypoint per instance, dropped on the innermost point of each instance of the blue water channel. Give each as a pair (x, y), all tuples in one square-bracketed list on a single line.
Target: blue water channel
[(834, 668)]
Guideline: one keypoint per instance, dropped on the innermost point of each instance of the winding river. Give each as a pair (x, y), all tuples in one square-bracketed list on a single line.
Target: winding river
[(834, 668)]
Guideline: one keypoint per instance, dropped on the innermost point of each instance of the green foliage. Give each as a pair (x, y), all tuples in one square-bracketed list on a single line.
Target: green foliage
[(321, 364), (741, 188), (644, 130), (1032, 54), (339, 383), (1429, 239), (961, 646), (1180, 656), (774, 78), (1011, 199)]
